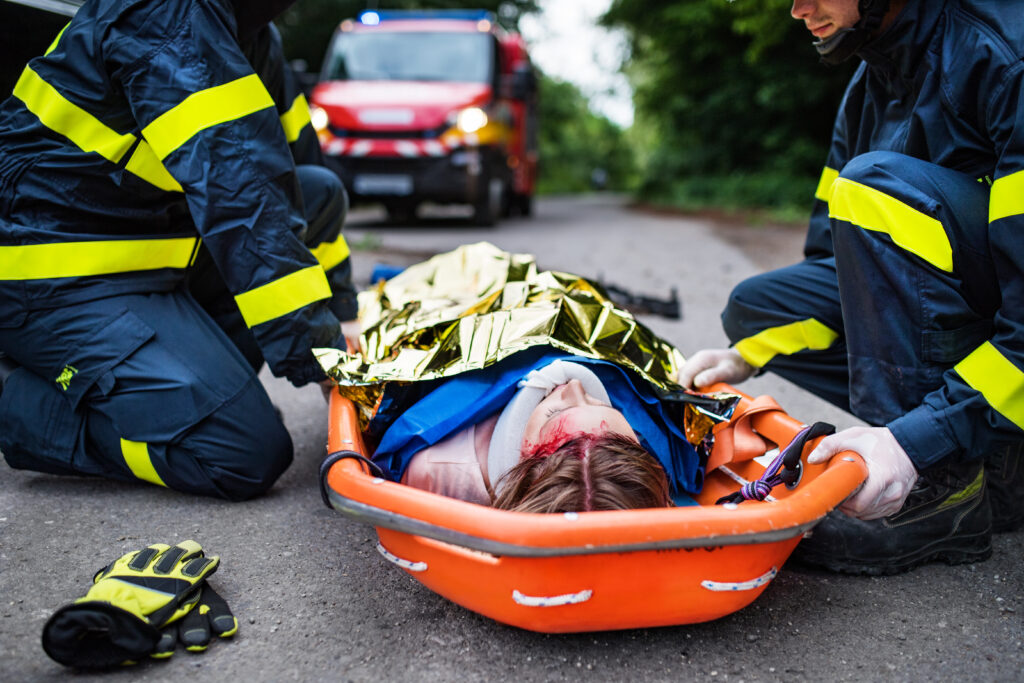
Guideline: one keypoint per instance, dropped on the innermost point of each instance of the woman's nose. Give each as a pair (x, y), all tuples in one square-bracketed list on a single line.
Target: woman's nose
[(574, 392)]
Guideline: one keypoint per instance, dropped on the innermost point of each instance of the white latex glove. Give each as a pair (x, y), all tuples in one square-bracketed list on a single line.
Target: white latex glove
[(351, 329), (714, 365), (891, 474)]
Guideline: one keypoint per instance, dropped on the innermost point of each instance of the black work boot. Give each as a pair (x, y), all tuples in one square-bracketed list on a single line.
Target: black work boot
[(1004, 482), (946, 518)]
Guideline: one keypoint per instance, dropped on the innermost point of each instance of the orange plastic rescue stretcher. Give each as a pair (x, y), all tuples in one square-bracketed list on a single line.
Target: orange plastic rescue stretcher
[(593, 571)]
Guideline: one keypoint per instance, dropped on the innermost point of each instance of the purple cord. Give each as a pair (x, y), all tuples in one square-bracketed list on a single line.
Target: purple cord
[(760, 488)]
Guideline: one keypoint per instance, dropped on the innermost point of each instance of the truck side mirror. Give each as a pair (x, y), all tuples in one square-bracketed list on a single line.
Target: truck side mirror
[(521, 83)]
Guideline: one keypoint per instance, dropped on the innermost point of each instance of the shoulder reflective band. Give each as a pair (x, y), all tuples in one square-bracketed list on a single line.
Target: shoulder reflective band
[(824, 191), (1006, 197), (82, 259), (63, 116), (295, 119), (57, 39), (330, 254), (284, 295), (993, 376), (909, 229), (786, 340), (205, 109), (87, 132), (136, 456)]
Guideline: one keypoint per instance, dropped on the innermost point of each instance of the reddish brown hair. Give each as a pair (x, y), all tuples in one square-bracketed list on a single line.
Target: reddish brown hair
[(589, 472)]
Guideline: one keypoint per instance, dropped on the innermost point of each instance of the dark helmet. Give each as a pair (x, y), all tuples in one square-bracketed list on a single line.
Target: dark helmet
[(843, 43)]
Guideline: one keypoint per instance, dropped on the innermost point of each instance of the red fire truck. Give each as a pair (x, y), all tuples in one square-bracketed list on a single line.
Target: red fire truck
[(435, 106)]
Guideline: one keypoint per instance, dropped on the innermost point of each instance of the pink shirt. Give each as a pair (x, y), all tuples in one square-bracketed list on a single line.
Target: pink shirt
[(457, 466)]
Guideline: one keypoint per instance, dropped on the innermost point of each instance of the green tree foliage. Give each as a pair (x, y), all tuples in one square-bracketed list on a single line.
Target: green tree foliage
[(730, 99), (574, 142), (307, 26)]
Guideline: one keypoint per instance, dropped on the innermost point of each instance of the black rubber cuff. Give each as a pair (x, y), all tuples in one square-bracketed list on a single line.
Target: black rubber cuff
[(97, 635)]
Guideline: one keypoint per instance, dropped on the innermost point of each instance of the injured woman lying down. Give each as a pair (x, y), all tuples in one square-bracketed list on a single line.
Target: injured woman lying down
[(482, 379)]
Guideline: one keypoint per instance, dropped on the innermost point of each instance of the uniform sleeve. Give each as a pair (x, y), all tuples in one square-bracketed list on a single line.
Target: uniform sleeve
[(265, 53), (981, 403), (212, 124)]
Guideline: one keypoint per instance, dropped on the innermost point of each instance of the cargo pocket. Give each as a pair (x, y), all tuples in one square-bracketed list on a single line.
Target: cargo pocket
[(89, 366), (164, 383), (44, 425), (948, 347)]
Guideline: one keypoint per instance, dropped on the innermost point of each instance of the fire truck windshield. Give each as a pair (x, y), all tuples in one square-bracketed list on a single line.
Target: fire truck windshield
[(410, 56)]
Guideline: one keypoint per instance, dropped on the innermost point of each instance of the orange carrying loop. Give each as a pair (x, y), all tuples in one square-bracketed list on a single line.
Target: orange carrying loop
[(736, 440)]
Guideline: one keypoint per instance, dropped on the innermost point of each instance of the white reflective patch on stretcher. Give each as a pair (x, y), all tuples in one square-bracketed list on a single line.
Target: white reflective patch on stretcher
[(741, 585), (766, 459), (404, 564), (553, 600)]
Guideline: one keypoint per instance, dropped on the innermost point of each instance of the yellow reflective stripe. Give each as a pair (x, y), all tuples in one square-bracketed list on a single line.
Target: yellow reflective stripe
[(57, 39), (330, 254), (284, 295), (89, 133), (828, 176), (143, 163), (992, 375), (63, 116), (82, 259), (785, 339), (910, 229), (136, 456), (1006, 197), (296, 118), (204, 109)]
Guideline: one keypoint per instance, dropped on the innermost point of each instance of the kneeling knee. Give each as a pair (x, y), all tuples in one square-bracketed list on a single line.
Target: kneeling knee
[(745, 300), (242, 449)]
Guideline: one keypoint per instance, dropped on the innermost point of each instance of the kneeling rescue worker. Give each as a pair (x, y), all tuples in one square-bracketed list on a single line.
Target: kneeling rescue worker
[(158, 241), (907, 310)]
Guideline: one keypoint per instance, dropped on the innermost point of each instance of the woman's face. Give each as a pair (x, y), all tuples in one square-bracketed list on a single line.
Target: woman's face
[(567, 412)]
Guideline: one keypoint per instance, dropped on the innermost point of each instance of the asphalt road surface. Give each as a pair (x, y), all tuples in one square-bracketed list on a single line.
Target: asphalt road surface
[(317, 603)]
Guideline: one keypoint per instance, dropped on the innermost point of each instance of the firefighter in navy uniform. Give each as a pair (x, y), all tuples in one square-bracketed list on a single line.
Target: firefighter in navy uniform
[(157, 243), (907, 310)]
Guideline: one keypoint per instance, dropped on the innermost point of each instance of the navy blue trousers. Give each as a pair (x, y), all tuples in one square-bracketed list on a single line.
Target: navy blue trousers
[(899, 321), (155, 387)]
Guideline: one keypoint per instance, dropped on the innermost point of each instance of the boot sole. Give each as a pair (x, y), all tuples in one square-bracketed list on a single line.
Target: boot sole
[(950, 551)]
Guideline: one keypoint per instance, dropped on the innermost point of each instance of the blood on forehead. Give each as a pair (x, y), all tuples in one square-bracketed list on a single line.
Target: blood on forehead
[(557, 437)]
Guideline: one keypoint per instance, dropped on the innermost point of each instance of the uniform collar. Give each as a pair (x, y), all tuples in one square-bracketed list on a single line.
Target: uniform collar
[(896, 54)]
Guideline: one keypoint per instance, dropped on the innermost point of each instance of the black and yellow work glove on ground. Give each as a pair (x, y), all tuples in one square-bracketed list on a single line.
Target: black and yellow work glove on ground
[(120, 619), (211, 616)]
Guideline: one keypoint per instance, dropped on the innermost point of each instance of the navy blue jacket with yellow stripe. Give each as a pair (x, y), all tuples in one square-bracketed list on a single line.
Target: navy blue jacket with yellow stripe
[(945, 83), (143, 128)]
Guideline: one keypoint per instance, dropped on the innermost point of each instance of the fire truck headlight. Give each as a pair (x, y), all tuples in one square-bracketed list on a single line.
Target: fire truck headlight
[(318, 117), (471, 120)]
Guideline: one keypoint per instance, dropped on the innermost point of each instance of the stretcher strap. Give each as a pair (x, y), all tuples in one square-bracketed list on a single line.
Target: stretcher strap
[(736, 440), (784, 469)]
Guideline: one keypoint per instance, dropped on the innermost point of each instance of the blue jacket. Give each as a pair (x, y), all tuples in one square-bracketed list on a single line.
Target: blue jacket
[(450, 405), (945, 84), (142, 129)]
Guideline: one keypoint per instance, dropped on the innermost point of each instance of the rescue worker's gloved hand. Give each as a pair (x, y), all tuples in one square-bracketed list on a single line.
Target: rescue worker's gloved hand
[(120, 618), (891, 474), (709, 366), (211, 616)]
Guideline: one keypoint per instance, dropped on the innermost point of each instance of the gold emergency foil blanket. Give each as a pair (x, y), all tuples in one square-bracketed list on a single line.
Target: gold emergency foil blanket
[(472, 307)]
